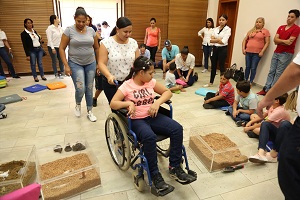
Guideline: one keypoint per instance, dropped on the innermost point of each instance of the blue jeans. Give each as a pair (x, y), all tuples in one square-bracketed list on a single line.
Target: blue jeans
[(252, 60), (240, 117), (289, 163), (53, 58), (146, 130), (278, 64), (36, 54), (269, 132), (83, 79), (5, 57), (206, 52)]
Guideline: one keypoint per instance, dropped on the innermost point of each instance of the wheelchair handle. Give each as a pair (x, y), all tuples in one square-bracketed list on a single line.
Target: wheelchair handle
[(116, 82), (167, 102)]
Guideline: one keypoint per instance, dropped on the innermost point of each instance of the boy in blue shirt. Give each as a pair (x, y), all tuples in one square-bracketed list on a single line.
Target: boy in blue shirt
[(244, 105)]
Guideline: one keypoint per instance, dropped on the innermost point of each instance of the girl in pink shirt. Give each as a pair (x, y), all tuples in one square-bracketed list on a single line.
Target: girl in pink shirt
[(137, 95), (254, 45)]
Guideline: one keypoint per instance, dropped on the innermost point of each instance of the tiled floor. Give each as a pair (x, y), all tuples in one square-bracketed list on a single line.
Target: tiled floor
[(47, 116)]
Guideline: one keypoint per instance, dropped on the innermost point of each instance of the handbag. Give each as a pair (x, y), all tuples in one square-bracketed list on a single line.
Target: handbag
[(236, 74)]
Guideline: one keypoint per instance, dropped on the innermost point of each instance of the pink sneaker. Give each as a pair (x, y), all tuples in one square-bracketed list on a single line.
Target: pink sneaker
[(270, 158)]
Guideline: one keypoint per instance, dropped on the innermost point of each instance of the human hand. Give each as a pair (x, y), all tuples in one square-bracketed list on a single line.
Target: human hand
[(28, 58), (68, 71), (235, 113), (131, 109), (261, 54), (264, 103), (53, 51), (186, 80), (244, 51), (153, 109), (248, 124), (206, 101)]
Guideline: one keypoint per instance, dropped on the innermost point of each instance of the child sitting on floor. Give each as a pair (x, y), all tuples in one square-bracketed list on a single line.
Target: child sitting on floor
[(225, 95), (171, 82), (274, 115), (248, 101)]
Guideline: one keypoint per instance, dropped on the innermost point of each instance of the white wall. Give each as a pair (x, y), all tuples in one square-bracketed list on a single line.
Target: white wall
[(104, 10), (275, 13)]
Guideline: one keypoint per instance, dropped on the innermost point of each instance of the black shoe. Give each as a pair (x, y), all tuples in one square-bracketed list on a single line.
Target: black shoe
[(94, 102), (36, 79), (196, 76), (227, 112), (179, 174), (44, 78), (208, 106), (240, 123), (251, 134), (16, 76), (159, 182)]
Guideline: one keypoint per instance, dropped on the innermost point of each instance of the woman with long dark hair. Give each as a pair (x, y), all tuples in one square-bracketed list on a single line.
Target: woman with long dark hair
[(54, 33), (219, 39), (32, 41), (205, 33), (117, 54)]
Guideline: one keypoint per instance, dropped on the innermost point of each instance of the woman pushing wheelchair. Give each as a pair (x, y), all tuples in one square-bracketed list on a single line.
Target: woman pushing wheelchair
[(137, 95)]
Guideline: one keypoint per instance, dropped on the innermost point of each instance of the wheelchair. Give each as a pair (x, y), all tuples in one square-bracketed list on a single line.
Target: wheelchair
[(125, 149)]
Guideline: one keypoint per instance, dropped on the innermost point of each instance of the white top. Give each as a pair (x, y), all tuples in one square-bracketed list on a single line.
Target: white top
[(34, 37), (297, 61), (54, 36), (105, 32), (185, 65), (170, 79), (2, 37), (120, 57), (146, 54), (224, 35), (207, 35)]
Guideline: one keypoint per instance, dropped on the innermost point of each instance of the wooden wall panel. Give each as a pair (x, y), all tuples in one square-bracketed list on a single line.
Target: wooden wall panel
[(12, 18), (186, 18), (140, 13)]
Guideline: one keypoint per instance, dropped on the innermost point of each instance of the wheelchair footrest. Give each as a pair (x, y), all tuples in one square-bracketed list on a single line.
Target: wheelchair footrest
[(163, 192)]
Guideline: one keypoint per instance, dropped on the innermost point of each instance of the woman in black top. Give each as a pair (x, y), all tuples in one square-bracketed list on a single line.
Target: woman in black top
[(32, 47)]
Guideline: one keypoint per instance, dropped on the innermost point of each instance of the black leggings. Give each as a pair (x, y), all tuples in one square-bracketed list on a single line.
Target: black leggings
[(153, 51), (219, 56), (218, 103)]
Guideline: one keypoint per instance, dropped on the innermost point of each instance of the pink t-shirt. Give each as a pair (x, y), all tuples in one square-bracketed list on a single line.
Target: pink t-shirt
[(141, 96), (277, 115), (256, 41), (152, 39)]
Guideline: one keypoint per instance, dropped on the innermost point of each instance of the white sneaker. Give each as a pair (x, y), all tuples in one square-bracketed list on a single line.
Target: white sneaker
[(91, 116), (77, 110), (207, 85), (203, 71)]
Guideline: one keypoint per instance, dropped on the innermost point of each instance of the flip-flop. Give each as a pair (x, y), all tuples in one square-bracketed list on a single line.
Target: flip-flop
[(57, 148), (68, 148), (78, 147), (232, 168)]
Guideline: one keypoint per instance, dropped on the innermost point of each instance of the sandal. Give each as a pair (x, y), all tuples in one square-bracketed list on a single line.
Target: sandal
[(57, 148), (78, 147), (68, 148)]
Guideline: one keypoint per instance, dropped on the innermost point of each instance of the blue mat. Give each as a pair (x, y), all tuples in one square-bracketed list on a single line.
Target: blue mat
[(35, 88), (203, 91)]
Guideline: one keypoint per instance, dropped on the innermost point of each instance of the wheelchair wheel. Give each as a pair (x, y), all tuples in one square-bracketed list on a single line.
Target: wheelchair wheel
[(138, 181), (117, 141)]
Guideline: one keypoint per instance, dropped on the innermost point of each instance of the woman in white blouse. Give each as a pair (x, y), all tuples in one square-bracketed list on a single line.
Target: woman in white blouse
[(219, 39), (117, 54), (185, 63), (205, 33), (54, 33)]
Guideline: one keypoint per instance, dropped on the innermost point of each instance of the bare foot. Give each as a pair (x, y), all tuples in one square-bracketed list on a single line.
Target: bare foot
[(182, 90)]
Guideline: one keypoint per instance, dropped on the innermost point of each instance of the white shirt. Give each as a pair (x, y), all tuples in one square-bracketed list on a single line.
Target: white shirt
[(120, 57), (170, 79), (185, 65), (223, 35), (54, 36), (34, 37), (297, 61), (105, 32), (207, 35), (2, 37)]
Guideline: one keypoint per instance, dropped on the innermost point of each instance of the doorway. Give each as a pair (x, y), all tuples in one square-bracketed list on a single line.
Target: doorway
[(230, 8)]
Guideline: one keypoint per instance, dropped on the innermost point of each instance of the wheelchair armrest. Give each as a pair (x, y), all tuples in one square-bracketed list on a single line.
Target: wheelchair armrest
[(167, 102), (123, 111)]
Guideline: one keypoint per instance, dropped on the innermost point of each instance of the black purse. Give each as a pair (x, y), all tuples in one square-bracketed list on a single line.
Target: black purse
[(236, 74)]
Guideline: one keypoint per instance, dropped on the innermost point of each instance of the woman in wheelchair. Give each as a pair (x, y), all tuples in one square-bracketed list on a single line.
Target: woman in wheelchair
[(137, 95)]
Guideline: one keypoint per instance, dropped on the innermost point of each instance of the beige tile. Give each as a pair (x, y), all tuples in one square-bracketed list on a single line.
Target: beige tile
[(265, 190), (215, 198), (114, 196)]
